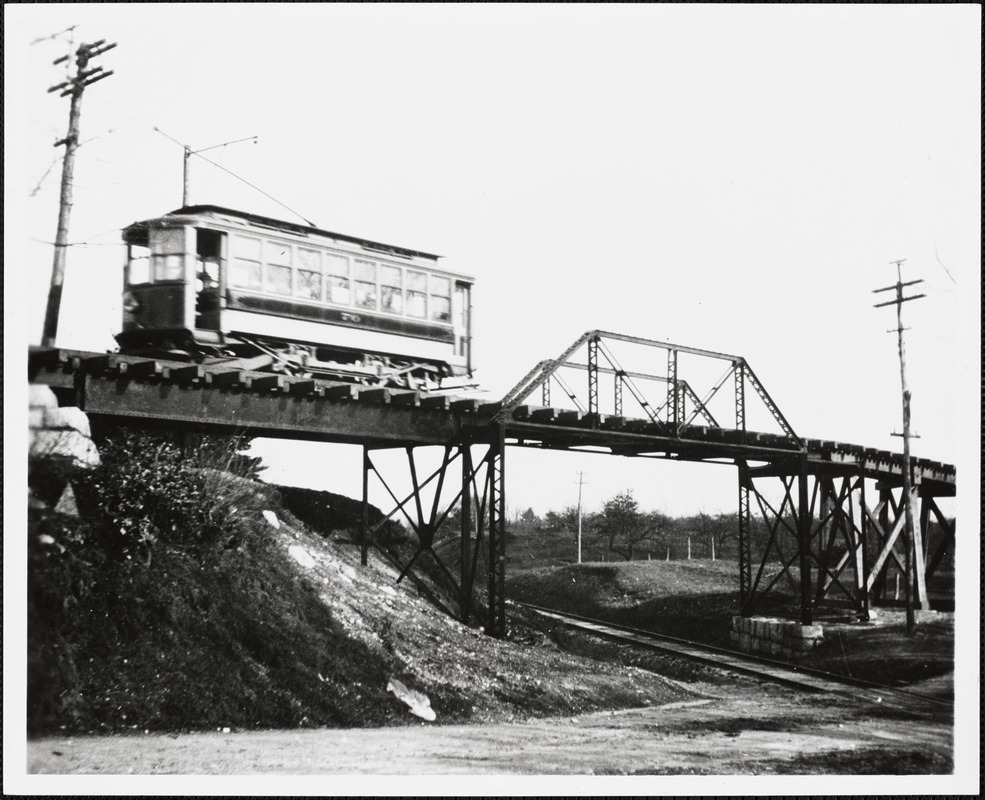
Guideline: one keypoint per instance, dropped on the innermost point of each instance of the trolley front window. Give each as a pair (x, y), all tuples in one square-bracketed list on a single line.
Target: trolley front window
[(167, 254), (138, 265)]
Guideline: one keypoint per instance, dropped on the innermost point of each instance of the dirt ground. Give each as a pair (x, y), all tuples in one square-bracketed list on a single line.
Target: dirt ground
[(746, 728)]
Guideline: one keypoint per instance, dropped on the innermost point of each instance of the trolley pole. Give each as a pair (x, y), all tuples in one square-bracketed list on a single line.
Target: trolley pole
[(907, 474), (189, 153), (73, 87)]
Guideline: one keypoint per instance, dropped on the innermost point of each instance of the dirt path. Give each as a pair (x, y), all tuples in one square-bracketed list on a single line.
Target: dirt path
[(753, 730)]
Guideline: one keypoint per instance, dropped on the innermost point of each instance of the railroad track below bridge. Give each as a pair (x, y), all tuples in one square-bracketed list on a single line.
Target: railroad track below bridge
[(786, 673)]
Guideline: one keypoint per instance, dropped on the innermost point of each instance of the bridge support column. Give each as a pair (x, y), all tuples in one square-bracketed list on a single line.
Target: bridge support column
[(892, 556), (496, 621), (593, 375), (839, 540), (946, 543), (466, 567), (819, 526), (804, 544), (364, 520), (745, 545), (438, 510), (765, 542)]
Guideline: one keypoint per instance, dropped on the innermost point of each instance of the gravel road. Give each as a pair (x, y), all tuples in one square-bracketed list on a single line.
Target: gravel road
[(753, 730)]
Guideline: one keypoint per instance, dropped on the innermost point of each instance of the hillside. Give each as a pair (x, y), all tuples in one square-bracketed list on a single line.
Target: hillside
[(172, 595)]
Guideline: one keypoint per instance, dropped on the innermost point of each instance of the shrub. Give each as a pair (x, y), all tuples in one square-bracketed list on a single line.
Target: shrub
[(142, 491)]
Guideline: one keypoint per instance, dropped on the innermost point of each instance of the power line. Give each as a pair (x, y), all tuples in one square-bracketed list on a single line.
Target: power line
[(942, 264), (77, 244), (72, 87), (37, 188), (55, 35), (41, 180)]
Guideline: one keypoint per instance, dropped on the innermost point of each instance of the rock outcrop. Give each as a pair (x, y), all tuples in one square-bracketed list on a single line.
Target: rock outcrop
[(59, 433)]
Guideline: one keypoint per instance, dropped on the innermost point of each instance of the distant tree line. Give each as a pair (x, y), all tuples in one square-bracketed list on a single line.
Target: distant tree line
[(621, 530)]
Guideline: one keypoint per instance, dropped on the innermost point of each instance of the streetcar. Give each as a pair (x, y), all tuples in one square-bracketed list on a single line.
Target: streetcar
[(211, 284)]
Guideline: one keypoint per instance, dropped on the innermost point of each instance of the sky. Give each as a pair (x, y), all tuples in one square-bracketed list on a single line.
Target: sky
[(734, 178)]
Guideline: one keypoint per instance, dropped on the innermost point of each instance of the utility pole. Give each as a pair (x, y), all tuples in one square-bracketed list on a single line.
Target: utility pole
[(189, 153), (73, 87), (581, 482), (907, 475)]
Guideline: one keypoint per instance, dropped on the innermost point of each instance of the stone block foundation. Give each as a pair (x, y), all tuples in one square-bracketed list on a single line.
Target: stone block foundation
[(769, 636)]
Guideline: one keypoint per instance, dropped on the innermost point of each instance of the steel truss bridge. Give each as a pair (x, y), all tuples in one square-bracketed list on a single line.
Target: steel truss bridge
[(833, 538)]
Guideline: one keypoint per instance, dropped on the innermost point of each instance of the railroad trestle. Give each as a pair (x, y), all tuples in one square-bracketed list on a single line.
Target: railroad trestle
[(825, 539)]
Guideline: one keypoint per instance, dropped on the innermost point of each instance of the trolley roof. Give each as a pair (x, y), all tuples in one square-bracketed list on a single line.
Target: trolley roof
[(136, 232)]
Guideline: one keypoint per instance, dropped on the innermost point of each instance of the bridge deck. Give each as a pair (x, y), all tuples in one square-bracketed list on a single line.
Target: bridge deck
[(279, 406)]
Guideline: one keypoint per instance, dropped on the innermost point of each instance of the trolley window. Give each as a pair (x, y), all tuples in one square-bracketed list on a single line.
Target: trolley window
[(365, 284), (391, 290), (246, 247), (337, 272), (208, 251), (417, 285), (245, 271), (278, 267), (309, 275), (460, 313), (139, 265), (440, 299), (167, 254)]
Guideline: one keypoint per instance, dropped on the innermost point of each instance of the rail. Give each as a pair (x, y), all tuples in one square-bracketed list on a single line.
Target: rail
[(797, 676)]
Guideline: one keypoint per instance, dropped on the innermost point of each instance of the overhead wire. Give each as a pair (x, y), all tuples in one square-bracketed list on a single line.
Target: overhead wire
[(41, 180), (942, 264), (239, 178), (257, 188), (78, 244), (69, 30), (171, 138)]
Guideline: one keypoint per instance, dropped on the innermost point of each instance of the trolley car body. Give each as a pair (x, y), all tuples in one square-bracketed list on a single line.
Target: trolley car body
[(209, 283)]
